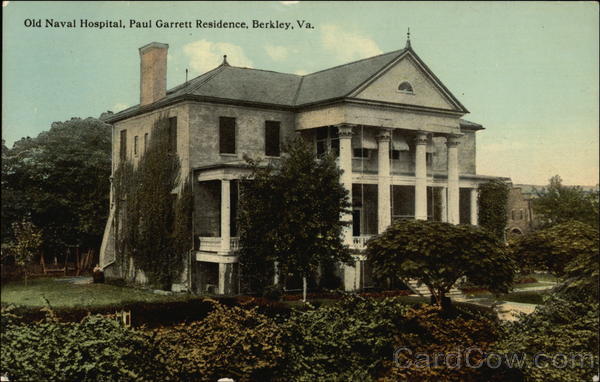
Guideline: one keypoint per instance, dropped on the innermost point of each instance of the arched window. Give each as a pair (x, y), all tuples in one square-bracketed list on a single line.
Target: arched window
[(405, 87)]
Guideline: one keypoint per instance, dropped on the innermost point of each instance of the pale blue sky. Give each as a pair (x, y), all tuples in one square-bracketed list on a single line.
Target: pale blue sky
[(527, 71)]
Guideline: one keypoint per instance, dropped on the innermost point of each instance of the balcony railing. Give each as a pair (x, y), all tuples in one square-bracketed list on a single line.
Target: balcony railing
[(360, 242), (213, 244)]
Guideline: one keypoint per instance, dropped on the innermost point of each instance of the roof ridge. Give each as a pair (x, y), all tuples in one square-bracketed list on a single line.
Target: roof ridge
[(357, 61), (298, 90), (215, 71), (264, 70)]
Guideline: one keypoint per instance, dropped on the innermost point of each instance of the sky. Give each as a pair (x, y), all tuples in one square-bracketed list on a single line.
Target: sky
[(527, 71)]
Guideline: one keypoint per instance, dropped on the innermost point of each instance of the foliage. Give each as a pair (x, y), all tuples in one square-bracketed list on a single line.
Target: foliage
[(558, 327), (230, 342), (96, 349), (341, 341), (438, 254), (556, 204), (290, 214), (427, 333), (493, 199), (551, 249), (153, 220), (60, 179), (27, 242)]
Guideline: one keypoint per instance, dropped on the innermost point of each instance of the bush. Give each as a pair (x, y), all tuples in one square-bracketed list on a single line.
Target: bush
[(345, 341), (230, 342), (96, 349), (558, 327), (430, 331)]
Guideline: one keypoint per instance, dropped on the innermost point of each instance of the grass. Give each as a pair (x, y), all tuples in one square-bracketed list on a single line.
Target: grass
[(62, 293)]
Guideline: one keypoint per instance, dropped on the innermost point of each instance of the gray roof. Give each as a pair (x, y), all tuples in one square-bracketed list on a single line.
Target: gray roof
[(236, 84)]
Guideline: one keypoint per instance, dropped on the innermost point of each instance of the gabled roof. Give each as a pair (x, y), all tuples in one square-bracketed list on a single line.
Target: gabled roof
[(291, 91)]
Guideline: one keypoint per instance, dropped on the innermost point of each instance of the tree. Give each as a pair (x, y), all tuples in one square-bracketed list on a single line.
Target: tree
[(552, 249), (557, 204), (27, 243), (290, 215), (438, 254), (61, 179), (493, 199)]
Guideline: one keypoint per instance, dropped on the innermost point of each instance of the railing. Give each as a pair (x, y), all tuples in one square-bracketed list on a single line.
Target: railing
[(213, 244), (360, 242)]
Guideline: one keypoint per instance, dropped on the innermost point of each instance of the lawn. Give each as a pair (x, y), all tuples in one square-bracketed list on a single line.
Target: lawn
[(62, 293)]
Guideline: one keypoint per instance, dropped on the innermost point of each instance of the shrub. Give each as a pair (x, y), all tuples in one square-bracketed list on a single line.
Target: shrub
[(345, 341), (96, 349), (230, 342), (558, 327), (429, 331)]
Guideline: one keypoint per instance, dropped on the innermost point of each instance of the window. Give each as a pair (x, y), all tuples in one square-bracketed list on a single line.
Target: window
[(145, 142), (512, 214), (123, 145), (135, 145), (405, 87), (328, 140), (360, 153), (321, 140), (173, 134), (226, 135), (272, 138), (334, 140), (395, 154)]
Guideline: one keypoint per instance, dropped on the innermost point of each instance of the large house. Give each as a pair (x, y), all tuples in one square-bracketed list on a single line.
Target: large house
[(397, 131)]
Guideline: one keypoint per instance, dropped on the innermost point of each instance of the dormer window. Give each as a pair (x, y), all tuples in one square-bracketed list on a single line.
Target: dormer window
[(405, 87)]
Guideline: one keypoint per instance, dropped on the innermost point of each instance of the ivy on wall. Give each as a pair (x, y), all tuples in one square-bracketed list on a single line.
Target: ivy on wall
[(493, 199), (153, 218)]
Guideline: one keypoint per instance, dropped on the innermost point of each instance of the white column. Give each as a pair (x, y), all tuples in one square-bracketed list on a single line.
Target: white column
[(222, 277), (345, 136), (453, 190), (474, 207), (444, 197), (225, 215), (421, 176), (384, 212)]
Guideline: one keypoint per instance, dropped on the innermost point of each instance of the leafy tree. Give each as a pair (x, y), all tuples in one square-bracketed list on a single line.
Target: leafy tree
[(438, 254), (493, 199), (290, 214), (557, 204), (552, 249), (27, 243), (153, 219), (61, 179)]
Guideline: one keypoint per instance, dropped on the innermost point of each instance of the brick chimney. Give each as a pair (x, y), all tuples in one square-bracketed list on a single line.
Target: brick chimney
[(153, 72)]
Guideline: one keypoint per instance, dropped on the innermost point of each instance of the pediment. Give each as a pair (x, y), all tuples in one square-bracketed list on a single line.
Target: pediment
[(394, 85)]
